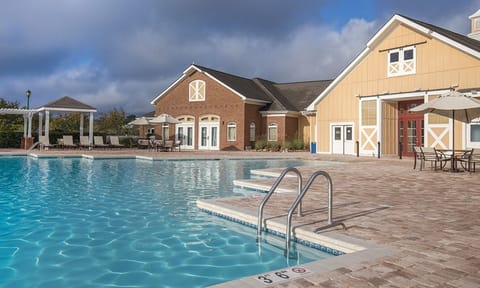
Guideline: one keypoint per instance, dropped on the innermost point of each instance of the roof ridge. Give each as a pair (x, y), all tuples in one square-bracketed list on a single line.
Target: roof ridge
[(221, 72), (455, 36)]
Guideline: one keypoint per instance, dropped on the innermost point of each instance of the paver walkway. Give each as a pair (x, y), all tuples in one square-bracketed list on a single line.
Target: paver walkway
[(431, 218)]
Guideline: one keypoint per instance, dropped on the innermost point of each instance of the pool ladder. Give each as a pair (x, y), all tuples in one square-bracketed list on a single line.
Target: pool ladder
[(301, 191)]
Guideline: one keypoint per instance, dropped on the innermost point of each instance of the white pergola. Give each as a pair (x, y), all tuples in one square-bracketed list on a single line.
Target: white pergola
[(27, 118), (64, 104), (68, 105)]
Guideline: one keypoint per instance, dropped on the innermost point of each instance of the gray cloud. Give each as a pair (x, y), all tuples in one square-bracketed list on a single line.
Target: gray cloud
[(120, 53)]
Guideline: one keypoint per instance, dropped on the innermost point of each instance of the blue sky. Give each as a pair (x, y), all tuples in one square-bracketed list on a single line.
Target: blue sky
[(123, 53)]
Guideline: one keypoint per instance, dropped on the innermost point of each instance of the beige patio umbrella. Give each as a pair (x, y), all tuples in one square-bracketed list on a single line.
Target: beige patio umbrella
[(164, 118), (454, 105), (142, 121)]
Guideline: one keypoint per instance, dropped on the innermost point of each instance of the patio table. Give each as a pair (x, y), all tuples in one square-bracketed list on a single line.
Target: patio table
[(455, 155)]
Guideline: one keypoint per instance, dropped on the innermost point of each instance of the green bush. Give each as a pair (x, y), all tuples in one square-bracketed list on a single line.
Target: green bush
[(261, 144), (273, 146), (298, 144)]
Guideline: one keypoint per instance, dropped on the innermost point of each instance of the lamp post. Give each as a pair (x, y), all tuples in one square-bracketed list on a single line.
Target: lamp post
[(28, 93)]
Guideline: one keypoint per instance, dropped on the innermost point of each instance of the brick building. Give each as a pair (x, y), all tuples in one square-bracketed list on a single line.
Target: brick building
[(221, 111)]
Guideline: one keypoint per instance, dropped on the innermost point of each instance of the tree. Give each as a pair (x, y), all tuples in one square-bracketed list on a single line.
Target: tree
[(112, 123), (10, 123), (67, 123)]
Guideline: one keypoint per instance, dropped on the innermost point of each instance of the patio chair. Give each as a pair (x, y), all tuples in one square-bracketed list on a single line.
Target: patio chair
[(68, 142), (85, 142), (143, 144), (44, 143), (157, 145), (418, 155), (469, 159), (168, 146), (435, 157), (115, 142), (98, 142)]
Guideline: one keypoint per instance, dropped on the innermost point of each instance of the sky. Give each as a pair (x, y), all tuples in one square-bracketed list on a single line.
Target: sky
[(123, 53)]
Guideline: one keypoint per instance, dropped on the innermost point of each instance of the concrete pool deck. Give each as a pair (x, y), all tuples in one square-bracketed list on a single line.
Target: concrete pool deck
[(431, 219)]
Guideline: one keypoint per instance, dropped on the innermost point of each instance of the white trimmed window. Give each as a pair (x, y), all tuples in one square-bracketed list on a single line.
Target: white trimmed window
[(401, 61), (252, 131), (196, 91), (165, 131), (231, 131), (272, 132)]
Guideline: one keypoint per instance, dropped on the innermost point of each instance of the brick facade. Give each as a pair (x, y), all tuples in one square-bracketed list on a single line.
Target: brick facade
[(219, 101)]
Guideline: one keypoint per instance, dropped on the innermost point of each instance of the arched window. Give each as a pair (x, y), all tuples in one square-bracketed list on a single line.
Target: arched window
[(232, 131), (252, 131), (272, 132), (196, 91)]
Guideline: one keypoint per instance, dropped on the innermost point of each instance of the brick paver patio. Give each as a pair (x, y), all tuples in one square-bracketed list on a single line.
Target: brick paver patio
[(431, 218)]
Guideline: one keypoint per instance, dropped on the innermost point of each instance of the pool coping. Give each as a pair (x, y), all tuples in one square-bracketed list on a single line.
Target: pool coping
[(355, 250)]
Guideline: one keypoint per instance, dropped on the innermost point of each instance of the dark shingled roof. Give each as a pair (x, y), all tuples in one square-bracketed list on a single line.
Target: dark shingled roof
[(462, 39), (302, 94), (69, 103), (280, 96), (244, 86)]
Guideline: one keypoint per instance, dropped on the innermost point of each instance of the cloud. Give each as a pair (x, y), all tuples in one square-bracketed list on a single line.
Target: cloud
[(119, 53)]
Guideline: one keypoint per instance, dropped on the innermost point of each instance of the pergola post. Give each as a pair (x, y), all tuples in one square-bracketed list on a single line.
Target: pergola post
[(47, 124), (30, 115), (40, 123), (81, 124), (90, 129), (25, 125)]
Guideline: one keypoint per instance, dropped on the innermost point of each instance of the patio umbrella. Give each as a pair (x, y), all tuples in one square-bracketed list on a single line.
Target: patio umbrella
[(164, 118), (142, 121), (454, 105)]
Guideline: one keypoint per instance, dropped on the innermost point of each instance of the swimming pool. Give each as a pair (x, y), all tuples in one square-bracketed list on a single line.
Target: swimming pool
[(115, 223)]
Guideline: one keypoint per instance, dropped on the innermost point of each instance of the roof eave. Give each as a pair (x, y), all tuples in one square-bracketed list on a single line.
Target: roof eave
[(57, 109)]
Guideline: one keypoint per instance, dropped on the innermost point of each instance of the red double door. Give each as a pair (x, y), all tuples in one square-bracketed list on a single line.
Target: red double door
[(410, 127)]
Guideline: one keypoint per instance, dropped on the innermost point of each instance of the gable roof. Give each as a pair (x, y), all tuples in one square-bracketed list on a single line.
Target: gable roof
[(460, 42), (67, 104), (276, 96)]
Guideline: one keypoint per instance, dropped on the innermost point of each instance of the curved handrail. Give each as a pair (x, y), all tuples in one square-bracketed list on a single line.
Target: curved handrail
[(272, 189), (33, 146), (299, 199)]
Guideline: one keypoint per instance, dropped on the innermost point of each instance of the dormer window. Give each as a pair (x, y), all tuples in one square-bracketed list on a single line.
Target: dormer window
[(196, 91), (401, 61)]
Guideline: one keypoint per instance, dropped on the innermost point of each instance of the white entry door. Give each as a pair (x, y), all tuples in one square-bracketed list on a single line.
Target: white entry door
[(342, 136), (185, 134), (209, 136)]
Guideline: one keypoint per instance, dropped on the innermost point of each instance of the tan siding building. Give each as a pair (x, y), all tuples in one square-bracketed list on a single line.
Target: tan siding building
[(405, 64)]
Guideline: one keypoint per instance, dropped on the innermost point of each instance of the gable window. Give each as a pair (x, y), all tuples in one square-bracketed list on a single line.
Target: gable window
[(272, 132), (401, 61), (196, 91), (252, 131), (231, 131)]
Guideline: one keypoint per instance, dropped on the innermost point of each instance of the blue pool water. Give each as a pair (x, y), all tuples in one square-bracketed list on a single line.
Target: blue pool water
[(126, 223)]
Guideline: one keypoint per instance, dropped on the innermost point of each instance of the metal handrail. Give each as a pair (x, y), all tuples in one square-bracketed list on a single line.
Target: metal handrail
[(269, 194), (33, 146), (299, 199)]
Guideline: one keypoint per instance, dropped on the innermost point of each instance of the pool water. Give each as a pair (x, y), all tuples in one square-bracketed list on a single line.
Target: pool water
[(126, 223)]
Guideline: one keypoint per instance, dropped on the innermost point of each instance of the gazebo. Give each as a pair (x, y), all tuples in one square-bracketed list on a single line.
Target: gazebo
[(68, 105), (64, 104)]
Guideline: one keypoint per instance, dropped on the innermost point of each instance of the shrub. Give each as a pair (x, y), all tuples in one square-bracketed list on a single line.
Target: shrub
[(298, 144), (260, 144), (273, 146)]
